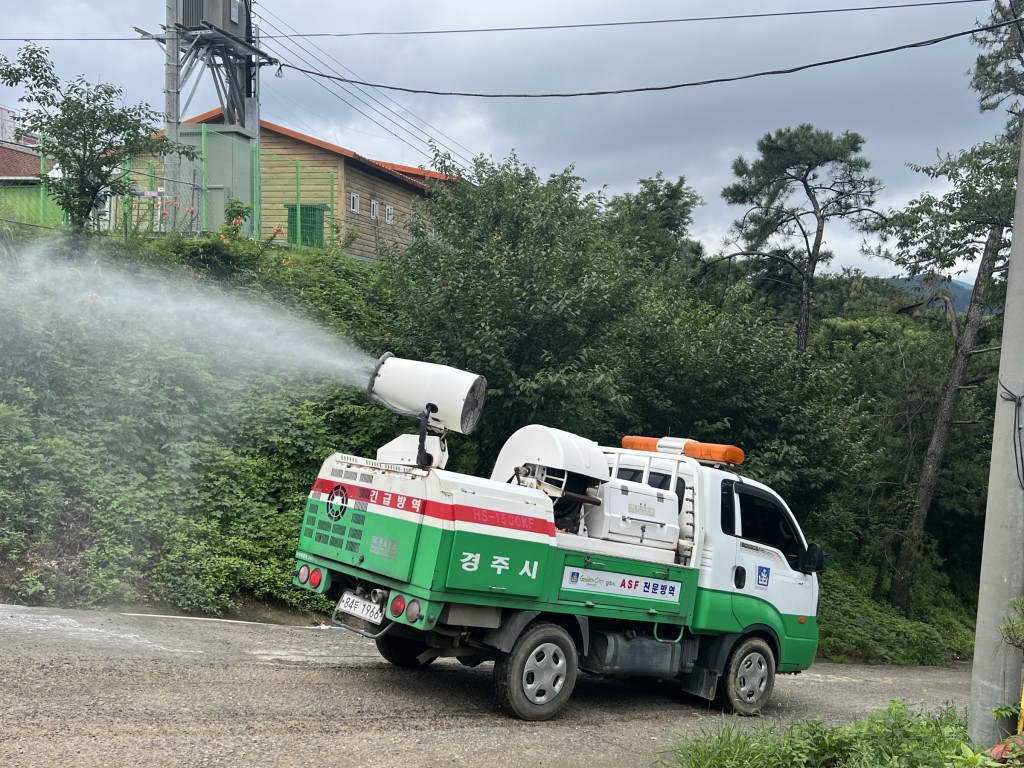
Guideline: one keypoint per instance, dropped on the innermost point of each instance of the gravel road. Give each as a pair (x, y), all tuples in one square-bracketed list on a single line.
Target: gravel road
[(82, 688)]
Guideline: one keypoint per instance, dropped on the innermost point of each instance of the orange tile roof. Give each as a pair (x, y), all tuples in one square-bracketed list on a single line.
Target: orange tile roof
[(408, 170), (414, 176)]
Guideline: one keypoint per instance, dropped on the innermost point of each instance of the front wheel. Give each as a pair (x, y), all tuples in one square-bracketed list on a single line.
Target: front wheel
[(749, 677), (535, 679)]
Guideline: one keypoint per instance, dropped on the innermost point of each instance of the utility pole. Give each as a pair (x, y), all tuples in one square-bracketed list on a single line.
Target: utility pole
[(172, 95), (996, 678)]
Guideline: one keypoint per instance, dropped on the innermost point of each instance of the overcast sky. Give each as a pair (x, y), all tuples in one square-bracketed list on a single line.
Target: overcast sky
[(907, 105)]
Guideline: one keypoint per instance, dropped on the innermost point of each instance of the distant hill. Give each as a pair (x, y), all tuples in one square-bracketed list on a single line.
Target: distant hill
[(916, 286)]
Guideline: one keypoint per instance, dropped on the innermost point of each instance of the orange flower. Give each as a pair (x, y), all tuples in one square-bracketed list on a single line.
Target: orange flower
[(286, 263), (177, 204), (165, 214), (224, 239), (278, 230), (190, 208), (237, 222)]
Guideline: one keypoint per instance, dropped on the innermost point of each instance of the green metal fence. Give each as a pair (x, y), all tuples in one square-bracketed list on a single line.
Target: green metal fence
[(296, 201), (26, 202), (293, 202)]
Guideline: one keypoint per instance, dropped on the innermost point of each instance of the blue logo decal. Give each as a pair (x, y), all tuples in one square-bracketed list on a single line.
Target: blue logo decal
[(574, 577), (763, 574)]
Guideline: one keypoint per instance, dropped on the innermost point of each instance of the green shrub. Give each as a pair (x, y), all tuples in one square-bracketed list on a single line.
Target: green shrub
[(853, 626), (895, 737)]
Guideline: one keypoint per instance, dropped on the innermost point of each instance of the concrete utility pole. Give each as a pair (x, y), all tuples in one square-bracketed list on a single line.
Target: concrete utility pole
[(172, 93), (996, 678)]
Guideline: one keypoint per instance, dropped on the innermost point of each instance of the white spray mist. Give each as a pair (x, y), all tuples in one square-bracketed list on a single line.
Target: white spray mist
[(234, 332)]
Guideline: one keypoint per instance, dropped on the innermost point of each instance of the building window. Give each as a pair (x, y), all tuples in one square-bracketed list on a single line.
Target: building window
[(374, 209), (389, 214), (353, 203)]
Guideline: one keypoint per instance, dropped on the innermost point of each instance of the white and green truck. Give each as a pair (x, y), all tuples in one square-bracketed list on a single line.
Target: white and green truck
[(654, 559)]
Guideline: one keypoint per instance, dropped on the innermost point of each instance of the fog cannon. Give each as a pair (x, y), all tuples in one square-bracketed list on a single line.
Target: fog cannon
[(444, 399)]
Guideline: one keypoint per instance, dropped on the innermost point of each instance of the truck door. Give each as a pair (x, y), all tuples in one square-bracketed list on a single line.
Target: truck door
[(766, 580)]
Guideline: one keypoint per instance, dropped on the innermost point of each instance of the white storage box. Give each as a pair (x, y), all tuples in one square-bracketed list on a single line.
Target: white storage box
[(636, 514)]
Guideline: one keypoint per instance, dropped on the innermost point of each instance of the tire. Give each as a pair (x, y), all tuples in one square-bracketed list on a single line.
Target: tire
[(535, 679), (402, 651), (749, 677)]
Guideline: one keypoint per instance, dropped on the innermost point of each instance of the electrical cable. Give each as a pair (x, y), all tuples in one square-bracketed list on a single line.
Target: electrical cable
[(352, 106), (415, 132), (542, 27), (656, 88), (433, 128), (1018, 449), (289, 47), (275, 96)]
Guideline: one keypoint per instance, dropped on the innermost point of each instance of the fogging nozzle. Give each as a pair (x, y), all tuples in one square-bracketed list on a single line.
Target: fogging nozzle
[(407, 387)]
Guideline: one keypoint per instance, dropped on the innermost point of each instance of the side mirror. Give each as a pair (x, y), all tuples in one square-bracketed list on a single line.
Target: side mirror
[(814, 559)]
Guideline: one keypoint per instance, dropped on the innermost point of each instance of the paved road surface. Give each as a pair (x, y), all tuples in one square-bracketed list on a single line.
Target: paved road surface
[(80, 688)]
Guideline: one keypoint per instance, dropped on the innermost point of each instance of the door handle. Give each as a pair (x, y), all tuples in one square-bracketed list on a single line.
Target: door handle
[(739, 577)]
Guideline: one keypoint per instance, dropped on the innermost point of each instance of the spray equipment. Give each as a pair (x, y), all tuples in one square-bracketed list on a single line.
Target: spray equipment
[(674, 446), (567, 467), (442, 398)]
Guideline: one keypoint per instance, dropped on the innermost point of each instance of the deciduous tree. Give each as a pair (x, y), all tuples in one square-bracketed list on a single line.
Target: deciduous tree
[(969, 223), (656, 219), (523, 285), (85, 128)]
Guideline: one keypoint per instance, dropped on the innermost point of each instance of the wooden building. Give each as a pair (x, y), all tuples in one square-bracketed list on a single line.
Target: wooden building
[(318, 192)]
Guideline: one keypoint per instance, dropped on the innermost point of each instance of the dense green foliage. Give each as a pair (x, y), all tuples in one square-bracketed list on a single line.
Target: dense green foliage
[(896, 737), (137, 470)]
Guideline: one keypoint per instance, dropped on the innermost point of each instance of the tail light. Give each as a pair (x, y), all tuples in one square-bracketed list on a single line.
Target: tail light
[(303, 574), (412, 612), (397, 605), (316, 578)]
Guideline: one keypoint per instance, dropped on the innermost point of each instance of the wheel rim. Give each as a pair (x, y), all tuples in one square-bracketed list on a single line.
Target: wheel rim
[(752, 676), (544, 673)]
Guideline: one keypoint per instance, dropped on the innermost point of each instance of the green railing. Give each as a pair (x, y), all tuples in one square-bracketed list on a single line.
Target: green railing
[(292, 201), (296, 201)]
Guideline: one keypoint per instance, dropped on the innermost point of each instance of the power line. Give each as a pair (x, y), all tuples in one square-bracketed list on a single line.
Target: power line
[(352, 106), (416, 131), (538, 28), (645, 22), (656, 88), (375, 100)]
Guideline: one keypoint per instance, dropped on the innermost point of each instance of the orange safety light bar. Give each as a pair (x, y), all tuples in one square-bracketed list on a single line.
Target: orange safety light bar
[(729, 454)]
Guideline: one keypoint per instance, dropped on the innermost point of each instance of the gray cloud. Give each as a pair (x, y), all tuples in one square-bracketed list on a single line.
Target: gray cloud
[(907, 104)]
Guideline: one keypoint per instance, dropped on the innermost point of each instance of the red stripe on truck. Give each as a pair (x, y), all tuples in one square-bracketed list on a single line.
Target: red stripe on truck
[(438, 510)]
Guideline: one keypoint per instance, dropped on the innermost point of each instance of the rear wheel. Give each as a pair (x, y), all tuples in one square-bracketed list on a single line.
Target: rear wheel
[(403, 652), (535, 679), (749, 677)]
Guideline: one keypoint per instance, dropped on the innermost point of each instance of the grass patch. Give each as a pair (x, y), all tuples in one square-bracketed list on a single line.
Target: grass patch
[(895, 736)]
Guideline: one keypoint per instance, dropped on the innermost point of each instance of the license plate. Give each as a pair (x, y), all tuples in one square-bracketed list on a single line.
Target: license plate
[(363, 609)]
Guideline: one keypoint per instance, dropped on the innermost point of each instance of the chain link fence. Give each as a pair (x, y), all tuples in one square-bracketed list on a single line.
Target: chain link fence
[(25, 202), (293, 201)]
